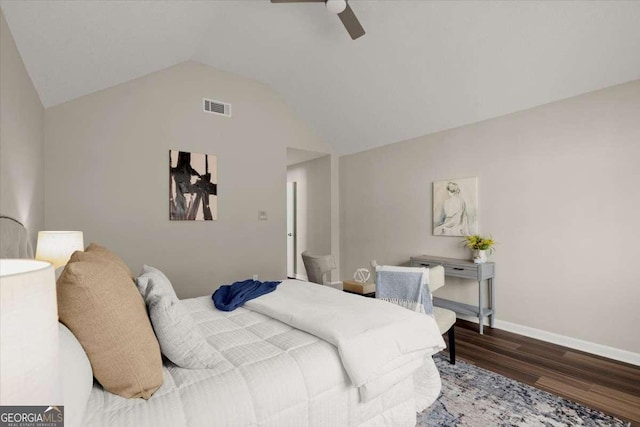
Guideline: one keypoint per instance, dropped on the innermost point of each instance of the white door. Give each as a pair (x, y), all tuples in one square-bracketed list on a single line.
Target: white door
[(291, 229)]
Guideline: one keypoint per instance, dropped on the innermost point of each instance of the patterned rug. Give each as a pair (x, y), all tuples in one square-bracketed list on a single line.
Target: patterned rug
[(474, 397)]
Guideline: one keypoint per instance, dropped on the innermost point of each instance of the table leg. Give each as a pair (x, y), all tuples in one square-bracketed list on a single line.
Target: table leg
[(480, 305), (491, 301)]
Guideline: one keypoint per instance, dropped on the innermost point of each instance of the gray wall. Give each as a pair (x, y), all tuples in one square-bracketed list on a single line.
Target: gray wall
[(559, 192), (313, 180), (107, 173), (21, 139)]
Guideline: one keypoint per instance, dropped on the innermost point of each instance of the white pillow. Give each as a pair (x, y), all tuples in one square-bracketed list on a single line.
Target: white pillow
[(180, 338), (77, 377), (154, 281)]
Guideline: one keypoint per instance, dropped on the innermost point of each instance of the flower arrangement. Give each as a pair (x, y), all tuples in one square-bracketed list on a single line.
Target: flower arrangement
[(478, 243)]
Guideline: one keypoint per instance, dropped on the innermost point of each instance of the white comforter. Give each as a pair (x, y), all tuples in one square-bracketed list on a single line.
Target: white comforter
[(271, 375), (379, 343)]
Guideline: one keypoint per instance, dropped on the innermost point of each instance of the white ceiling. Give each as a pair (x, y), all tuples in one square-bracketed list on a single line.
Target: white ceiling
[(422, 67)]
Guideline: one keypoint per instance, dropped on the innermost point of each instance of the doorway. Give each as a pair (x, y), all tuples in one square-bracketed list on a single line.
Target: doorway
[(308, 208)]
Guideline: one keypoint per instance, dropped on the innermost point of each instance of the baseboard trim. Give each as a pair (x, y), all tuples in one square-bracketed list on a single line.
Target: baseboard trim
[(563, 340), (302, 277)]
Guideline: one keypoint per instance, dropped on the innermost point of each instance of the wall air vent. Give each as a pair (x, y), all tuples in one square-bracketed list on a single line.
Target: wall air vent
[(216, 107)]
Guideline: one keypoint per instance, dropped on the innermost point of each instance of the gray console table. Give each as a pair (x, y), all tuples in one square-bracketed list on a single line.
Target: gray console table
[(467, 270)]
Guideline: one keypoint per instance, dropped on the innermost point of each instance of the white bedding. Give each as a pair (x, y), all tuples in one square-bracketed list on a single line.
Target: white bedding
[(269, 374), (357, 327)]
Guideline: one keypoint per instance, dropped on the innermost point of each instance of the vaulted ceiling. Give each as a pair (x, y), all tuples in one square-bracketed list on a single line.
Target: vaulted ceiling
[(422, 67)]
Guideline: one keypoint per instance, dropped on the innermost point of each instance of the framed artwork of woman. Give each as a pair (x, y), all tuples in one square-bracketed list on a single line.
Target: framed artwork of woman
[(455, 207)]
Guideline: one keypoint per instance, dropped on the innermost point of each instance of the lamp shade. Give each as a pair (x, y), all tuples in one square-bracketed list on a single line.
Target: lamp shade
[(57, 246), (28, 334)]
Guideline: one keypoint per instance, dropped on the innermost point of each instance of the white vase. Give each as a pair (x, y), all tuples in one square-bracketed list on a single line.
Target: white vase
[(479, 256)]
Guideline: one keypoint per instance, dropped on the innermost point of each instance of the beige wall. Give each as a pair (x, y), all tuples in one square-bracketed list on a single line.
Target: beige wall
[(559, 189), (107, 173), (21, 139), (313, 180)]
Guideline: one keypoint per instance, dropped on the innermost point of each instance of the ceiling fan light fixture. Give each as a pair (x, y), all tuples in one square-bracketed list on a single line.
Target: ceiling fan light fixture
[(336, 6)]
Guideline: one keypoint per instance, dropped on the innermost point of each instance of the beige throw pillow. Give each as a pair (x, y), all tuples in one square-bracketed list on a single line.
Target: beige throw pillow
[(99, 303), (110, 256)]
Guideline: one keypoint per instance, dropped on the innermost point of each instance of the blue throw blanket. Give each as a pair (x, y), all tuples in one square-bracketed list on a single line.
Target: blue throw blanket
[(230, 297), (404, 288)]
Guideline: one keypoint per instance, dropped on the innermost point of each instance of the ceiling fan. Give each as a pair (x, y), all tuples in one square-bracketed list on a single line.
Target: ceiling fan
[(342, 9)]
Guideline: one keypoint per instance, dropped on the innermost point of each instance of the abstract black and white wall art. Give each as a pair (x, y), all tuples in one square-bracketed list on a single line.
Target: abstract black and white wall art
[(455, 207), (193, 186)]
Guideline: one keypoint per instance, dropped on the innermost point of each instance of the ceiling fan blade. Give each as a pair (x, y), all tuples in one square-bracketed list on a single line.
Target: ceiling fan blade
[(297, 1), (351, 23)]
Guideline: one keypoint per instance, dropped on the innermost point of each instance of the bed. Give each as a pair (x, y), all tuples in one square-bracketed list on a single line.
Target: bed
[(269, 374)]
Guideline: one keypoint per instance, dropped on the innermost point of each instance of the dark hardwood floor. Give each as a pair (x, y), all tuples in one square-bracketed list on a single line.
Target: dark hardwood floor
[(604, 384)]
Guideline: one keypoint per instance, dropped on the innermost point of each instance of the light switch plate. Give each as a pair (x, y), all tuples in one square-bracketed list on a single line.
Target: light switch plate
[(262, 215)]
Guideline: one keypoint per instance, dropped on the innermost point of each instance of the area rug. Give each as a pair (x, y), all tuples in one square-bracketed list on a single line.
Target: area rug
[(474, 397)]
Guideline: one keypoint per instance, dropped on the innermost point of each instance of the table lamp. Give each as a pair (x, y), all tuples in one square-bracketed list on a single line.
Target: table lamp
[(57, 246), (28, 334)]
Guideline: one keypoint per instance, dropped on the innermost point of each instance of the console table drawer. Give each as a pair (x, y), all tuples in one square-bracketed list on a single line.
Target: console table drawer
[(427, 264), (460, 271)]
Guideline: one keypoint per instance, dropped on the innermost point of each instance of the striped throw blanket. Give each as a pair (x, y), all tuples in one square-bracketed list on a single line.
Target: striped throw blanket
[(404, 286)]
